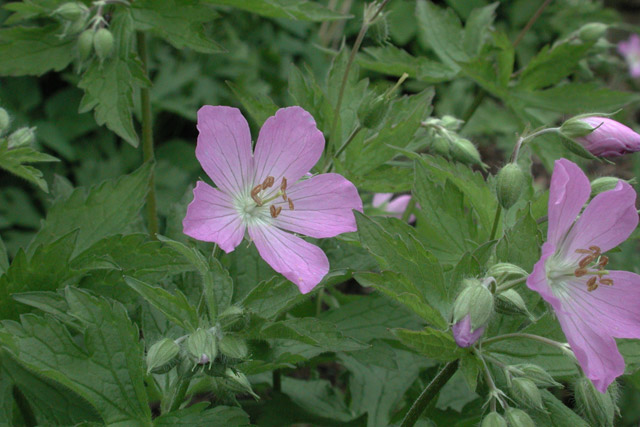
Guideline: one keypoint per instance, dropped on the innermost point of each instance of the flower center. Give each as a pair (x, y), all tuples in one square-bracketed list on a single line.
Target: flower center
[(261, 196), (592, 264)]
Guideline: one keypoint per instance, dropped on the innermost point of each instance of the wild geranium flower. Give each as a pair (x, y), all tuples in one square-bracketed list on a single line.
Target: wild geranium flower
[(630, 49), (609, 138), (394, 206), (594, 305), (269, 191)]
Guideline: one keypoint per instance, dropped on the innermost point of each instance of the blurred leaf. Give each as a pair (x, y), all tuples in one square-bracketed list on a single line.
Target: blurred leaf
[(175, 307), (520, 244), (34, 50), (108, 372), (477, 27), (317, 397), (198, 416), (272, 297), (260, 107), (430, 342), (179, 22), (558, 414), (311, 331), (292, 9), (14, 159), (96, 212), (441, 29), (4, 258), (394, 61), (306, 92)]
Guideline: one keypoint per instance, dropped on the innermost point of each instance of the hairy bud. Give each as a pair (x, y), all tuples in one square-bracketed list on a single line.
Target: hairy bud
[(85, 44), (202, 346), (592, 31), (464, 151), (494, 419), (22, 137), (72, 11), (526, 392), (503, 271), (598, 408), (536, 374), (103, 43), (161, 353), (476, 301), (509, 184), (232, 319), (510, 302), (519, 418), (607, 138), (233, 347), (372, 112)]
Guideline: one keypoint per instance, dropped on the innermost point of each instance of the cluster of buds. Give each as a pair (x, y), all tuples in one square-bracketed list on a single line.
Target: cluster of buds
[(444, 141)]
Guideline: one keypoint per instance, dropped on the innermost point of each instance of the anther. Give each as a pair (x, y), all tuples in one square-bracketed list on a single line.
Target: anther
[(580, 272), (591, 284), (254, 194), (284, 197), (283, 185), (290, 204), (586, 261), (596, 250), (606, 282), (583, 251), (268, 182), (604, 260), (275, 211)]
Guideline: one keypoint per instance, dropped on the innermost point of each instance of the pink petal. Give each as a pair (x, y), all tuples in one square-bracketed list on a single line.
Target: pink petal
[(610, 138), (380, 199), (289, 145), (211, 217), (224, 148), (537, 280), (612, 309), (299, 261), (595, 350), (462, 333), (569, 191), (398, 205), (322, 206), (608, 221)]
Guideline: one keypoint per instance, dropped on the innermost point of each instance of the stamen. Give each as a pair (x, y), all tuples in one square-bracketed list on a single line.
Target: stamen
[(283, 185), (268, 182), (586, 261), (583, 251), (596, 250), (604, 260), (591, 284), (254, 194), (275, 211), (284, 196), (580, 272), (607, 282), (290, 204)]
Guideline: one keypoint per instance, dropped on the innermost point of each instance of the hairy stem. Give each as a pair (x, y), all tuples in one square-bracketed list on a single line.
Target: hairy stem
[(529, 24), (538, 338), (510, 284), (429, 393), (496, 221), (147, 140)]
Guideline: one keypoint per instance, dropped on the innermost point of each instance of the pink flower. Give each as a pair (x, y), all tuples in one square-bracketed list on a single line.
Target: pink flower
[(463, 334), (610, 138), (593, 305), (395, 207), (263, 193), (630, 49)]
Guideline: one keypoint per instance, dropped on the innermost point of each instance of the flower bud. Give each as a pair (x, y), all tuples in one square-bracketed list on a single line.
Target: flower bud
[(592, 31), (462, 333), (440, 146), (103, 43), (22, 137), (536, 374), (606, 183), (233, 347), (526, 392), (451, 123), (608, 138), (238, 382), (519, 418), (510, 302), (372, 113), (161, 353), (509, 184), (494, 419), (379, 31), (598, 408), (72, 11), (4, 120), (503, 271), (576, 128), (464, 151), (202, 346), (232, 319), (475, 301), (85, 44)]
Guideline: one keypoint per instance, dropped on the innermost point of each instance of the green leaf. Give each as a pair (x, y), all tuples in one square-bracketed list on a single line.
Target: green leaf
[(551, 65), (108, 371), (383, 179), (558, 414), (304, 10), (196, 416), (310, 331), (470, 368), (306, 92), (430, 342), (441, 30), (4, 258), (399, 288), (520, 244), (175, 307), (272, 297), (317, 397), (46, 270), (179, 22), (394, 61), (260, 107), (34, 50), (109, 85), (13, 160), (49, 302), (116, 203), (476, 28)]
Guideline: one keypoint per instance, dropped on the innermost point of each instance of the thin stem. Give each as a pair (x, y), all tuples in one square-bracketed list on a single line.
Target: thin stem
[(529, 24), (544, 340), (493, 390), (319, 299), (510, 284), (408, 210), (277, 380), (352, 56), (523, 140), (342, 148), (429, 393), (147, 140), (496, 220), (480, 95)]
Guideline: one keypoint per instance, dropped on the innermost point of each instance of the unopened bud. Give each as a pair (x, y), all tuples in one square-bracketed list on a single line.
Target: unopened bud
[(536, 374), (510, 302), (22, 137), (451, 123), (372, 113), (103, 43), (575, 128), (4, 120), (232, 319), (494, 419), (592, 31), (233, 347), (72, 11), (504, 270), (85, 44), (161, 353), (238, 382), (606, 183), (526, 392), (202, 346), (519, 418), (379, 31), (598, 408), (440, 146), (509, 184), (462, 333), (476, 301), (464, 151)]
